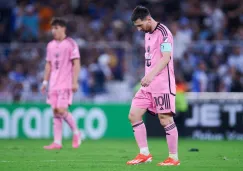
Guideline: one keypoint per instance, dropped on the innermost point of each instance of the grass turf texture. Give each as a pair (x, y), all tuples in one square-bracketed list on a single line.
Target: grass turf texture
[(112, 155)]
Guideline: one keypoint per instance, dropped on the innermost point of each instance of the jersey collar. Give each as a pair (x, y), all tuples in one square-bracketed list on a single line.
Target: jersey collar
[(155, 28)]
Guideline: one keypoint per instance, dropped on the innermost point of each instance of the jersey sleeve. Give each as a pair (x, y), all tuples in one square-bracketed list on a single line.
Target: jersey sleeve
[(166, 41), (75, 51), (48, 54)]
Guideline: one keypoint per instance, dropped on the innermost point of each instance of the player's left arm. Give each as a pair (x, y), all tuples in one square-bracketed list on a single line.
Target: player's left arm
[(161, 64), (166, 49), (76, 70), (75, 57)]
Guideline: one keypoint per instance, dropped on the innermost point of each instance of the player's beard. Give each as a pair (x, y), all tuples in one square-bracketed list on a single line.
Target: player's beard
[(147, 30)]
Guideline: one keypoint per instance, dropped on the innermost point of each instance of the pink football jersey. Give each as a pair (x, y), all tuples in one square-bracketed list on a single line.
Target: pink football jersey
[(61, 54), (164, 82)]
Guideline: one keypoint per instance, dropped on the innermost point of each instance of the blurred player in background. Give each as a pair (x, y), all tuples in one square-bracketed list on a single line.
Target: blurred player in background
[(157, 94), (61, 70)]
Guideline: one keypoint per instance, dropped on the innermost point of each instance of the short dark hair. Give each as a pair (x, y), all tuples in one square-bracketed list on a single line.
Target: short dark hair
[(58, 22), (140, 12)]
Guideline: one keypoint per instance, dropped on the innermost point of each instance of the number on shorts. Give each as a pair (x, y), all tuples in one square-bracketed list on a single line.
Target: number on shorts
[(163, 101)]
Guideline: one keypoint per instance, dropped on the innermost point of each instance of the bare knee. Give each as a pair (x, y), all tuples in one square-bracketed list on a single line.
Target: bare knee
[(132, 117), (55, 113), (165, 119), (136, 114), (59, 112)]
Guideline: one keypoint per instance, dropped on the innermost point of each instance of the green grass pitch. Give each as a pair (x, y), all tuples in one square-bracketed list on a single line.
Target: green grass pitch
[(111, 155)]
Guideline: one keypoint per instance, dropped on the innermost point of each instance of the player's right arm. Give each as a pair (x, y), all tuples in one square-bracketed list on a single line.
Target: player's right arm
[(46, 76), (47, 71)]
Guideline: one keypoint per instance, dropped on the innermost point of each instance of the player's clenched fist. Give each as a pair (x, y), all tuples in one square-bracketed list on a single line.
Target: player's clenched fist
[(75, 87)]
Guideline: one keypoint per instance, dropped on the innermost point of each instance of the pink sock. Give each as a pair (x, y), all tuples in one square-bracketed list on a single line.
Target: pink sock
[(71, 122), (140, 134), (172, 138), (57, 129)]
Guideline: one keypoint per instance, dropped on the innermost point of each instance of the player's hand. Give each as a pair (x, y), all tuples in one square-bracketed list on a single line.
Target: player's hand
[(147, 79), (75, 87), (43, 88)]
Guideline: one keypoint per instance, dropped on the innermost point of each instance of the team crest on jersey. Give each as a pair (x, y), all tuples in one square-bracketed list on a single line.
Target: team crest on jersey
[(57, 55)]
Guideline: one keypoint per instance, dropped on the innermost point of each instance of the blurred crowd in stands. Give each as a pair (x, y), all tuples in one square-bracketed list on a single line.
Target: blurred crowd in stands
[(208, 41)]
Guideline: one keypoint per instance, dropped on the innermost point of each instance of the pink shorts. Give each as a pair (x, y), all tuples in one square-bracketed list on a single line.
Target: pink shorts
[(154, 102), (60, 98)]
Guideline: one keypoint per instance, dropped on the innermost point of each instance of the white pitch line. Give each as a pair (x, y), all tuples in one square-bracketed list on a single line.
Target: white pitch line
[(9, 161)]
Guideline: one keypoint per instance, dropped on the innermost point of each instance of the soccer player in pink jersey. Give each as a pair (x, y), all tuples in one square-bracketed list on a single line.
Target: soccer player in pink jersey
[(61, 71), (157, 94)]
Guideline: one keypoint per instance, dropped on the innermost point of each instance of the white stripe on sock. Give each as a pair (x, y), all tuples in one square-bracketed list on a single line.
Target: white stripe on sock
[(76, 132), (58, 142), (144, 151), (173, 156)]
